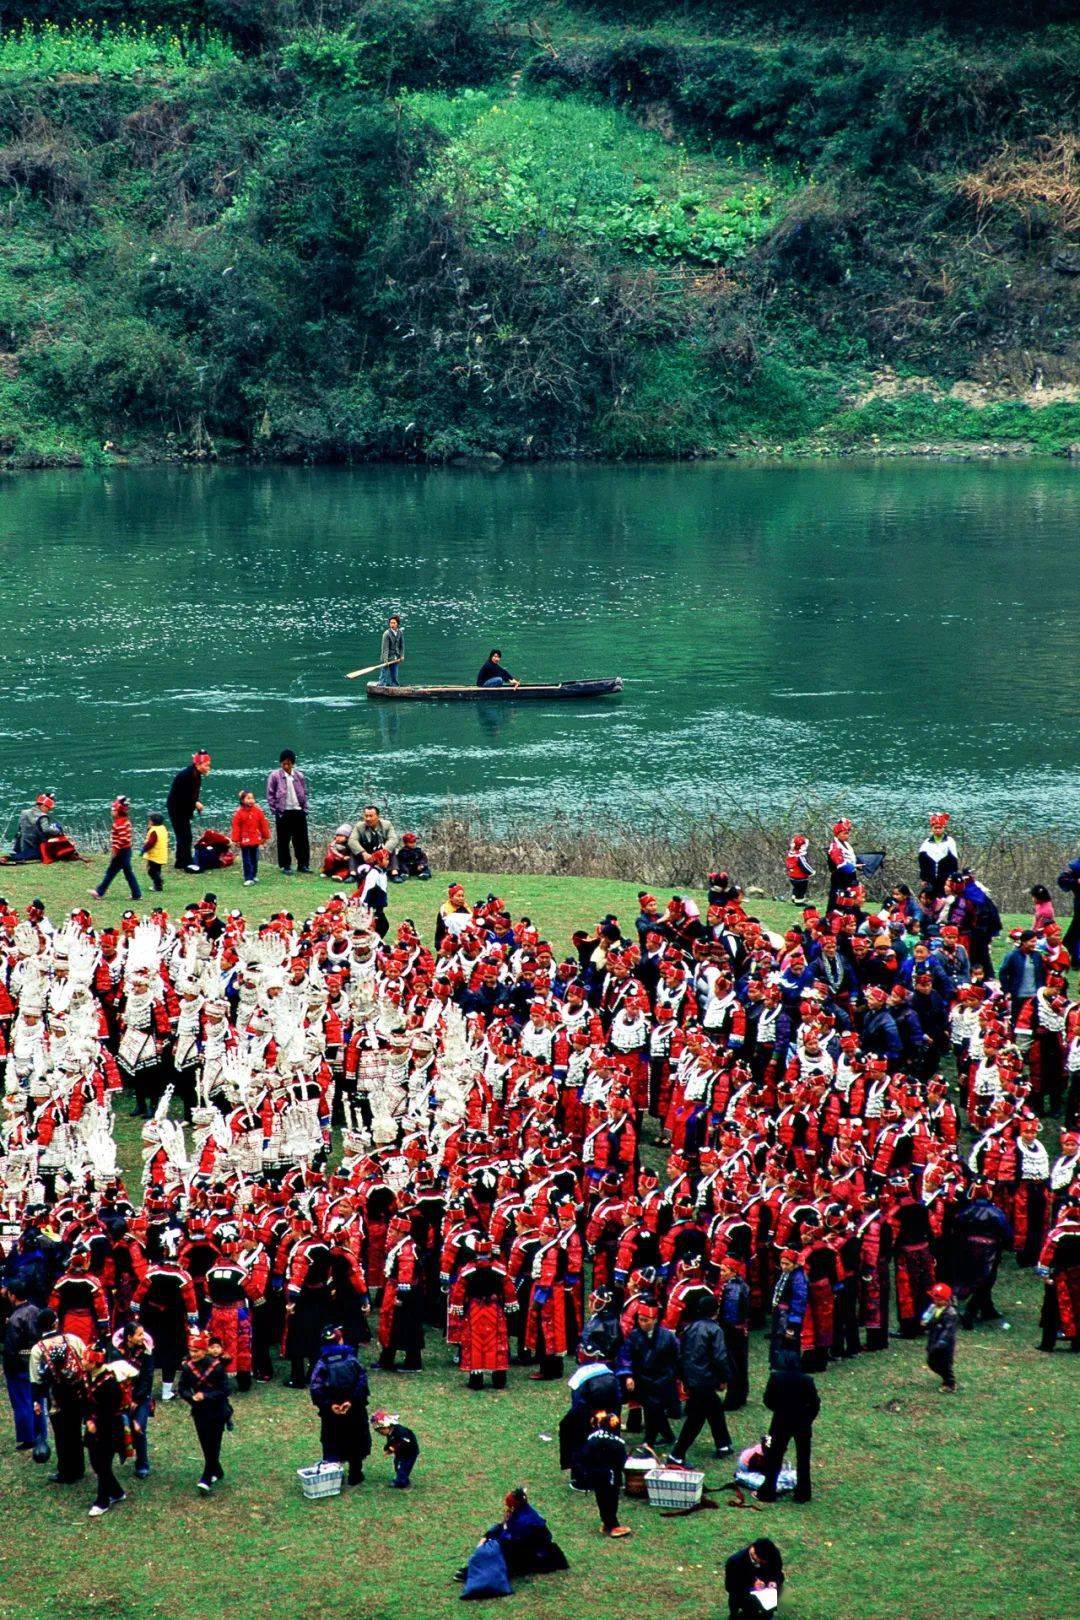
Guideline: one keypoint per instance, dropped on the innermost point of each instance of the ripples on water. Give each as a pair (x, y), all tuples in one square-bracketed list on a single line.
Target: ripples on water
[(891, 635)]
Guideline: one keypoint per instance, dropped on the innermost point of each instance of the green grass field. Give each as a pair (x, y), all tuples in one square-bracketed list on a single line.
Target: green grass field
[(924, 1506)]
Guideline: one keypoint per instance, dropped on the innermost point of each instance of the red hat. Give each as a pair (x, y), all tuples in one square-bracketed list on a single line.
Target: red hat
[(408, 838), (44, 801), (200, 757), (842, 826), (940, 1293), (939, 818)]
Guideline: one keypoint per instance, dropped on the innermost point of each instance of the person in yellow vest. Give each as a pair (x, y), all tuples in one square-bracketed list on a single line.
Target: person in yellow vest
[(155, 850)]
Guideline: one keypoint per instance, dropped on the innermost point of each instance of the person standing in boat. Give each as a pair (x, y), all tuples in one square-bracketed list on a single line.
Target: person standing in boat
[(392, 652), (494, 672)]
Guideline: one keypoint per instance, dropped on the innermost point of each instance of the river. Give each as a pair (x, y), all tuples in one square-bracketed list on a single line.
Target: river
[(894, 635)]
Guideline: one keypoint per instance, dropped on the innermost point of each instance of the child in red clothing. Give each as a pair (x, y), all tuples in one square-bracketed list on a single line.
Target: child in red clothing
[(120, 846), (799, 870), (250, 831)]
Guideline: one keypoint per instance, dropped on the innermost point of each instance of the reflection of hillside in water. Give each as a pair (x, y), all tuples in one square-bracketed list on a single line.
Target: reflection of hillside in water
[(893, 632)]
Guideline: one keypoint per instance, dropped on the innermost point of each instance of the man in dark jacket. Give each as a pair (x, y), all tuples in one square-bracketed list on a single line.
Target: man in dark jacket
[(339, 1390), (705, 1373), (880, 1036), (748, 1572), (1023, 972), (183, 803), (20, 1335), (648, 1363), (792, 1398)]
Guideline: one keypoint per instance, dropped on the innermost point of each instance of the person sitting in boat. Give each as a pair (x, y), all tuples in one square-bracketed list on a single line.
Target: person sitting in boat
[(494, 672), (39, 838)]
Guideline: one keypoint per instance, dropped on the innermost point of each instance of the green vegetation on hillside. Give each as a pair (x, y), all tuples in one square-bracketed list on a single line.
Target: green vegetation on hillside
[(433, 228)]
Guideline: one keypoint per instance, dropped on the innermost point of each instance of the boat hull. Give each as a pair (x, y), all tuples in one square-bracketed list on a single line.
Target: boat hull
[(564, 691)]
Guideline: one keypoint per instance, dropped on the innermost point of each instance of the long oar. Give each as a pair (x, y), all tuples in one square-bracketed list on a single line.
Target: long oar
[(369, 669)]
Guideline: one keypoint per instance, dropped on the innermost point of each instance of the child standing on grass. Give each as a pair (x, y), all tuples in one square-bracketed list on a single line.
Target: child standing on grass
[(401, 1444), (155, 850), (1043, 906), (940, 1321), (250, 831), (120, 845), (798, 866)]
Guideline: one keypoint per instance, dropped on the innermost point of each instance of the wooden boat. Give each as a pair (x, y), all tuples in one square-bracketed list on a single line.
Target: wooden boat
[(565, 690)]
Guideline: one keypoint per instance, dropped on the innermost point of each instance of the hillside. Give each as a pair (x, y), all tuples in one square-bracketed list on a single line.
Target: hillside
[(453, 228)]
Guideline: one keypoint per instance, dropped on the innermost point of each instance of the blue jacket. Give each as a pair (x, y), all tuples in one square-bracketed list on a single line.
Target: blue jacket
[(880, 1036), (1011, 975)]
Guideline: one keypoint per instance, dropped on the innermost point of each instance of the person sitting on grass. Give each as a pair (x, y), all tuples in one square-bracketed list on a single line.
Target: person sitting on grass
[(753, 1580), (39, 838), (527, 1544), (335, 864), (412, 860)]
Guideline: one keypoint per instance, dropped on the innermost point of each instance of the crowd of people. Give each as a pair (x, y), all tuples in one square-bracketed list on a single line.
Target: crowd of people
[(859, 1118)]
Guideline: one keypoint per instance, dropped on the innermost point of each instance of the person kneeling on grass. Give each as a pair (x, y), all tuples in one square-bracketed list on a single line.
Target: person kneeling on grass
[(599, 1467), (204, 1384), (940, 1319), (250, 831)]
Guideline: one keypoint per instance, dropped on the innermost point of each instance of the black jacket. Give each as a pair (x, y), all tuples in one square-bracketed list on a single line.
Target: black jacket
[(740, 1573), (20, 1336), (703, 1362), (651, 1360), (184, 794), (792, 1397)]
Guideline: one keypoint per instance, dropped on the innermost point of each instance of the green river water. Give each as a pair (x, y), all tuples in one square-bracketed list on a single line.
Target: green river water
[(894, 636)]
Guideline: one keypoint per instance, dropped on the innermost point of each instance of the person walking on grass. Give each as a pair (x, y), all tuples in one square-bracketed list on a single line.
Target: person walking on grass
[(705, 1374), (120, 845), (250, 831), (203, 1384), (286, 795), (941, 1319), (107, 1401)]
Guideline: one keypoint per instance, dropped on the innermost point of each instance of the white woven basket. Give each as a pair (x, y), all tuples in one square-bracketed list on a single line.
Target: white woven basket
[(674, 1487), (324, 1479)]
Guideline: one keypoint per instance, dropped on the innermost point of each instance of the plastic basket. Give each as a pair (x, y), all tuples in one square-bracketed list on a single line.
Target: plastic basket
[(674, 1487), (324, 1479)]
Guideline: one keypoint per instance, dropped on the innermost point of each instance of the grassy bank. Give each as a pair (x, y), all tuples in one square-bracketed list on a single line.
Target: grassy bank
[(433, 229), (680, 848), (922, 1506)]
